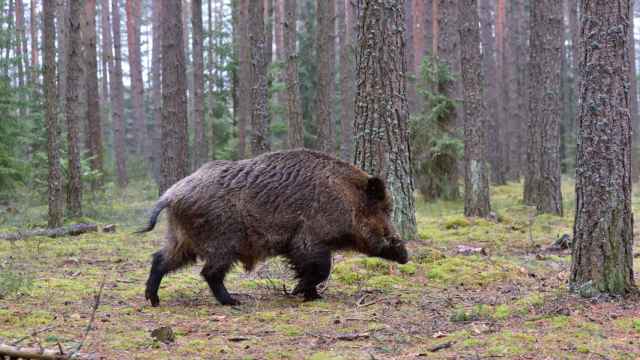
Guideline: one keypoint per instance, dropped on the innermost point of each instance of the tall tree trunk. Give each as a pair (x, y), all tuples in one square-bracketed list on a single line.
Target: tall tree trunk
[(117, 100), (449, 54), (381, 120), (259, 111), (602, 256), (33, 24), (490, 94), (175, 162), (7, 51), (268, 56), (476, 179), (134, 12), (156, 87), (542, 180), (106, 53), (278, 21), (295, 132), (499, 175), (347, 90), (55, 186), (20, 48), (326, 52), (201, 146), (73, 109), (94, 126), (633, 94), (244, 76), (62, 15)]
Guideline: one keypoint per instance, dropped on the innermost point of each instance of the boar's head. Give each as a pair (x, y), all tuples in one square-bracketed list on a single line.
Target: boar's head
[(380, 236)]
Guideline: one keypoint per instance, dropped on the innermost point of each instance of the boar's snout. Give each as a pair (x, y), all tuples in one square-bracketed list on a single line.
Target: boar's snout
[(395, 251)]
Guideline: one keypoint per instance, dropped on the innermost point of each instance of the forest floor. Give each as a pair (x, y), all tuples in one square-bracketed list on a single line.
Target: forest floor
[(511, 302)]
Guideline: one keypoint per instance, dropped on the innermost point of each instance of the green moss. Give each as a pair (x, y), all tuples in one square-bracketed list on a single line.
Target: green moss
[(510, 344), (408, 269), (502, 312), (325, 356), (289, 330), (456, 222), (375, 265), (636, 325), (384, 282), (470, 271), (560, 321), (427, 255)]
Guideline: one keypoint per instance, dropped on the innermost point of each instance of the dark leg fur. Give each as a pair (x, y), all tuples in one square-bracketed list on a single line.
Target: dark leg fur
[(159, 268), (214, 275), (311, 271)]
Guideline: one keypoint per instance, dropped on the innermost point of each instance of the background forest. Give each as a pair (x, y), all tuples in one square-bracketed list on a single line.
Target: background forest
[(503, 129)]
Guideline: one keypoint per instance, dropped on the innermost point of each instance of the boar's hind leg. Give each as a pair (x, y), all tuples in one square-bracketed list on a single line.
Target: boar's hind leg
[(161, 266), (214, 275), (311, 270)]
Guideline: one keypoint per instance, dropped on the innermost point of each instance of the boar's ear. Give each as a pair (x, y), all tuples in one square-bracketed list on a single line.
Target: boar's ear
[(376, 189)]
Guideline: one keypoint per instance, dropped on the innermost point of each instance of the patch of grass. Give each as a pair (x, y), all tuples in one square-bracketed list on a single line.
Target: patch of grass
[(289, 330), (325, 356), (510, 344), (384, 282), (426, 255), (13, 282), (470, 271)]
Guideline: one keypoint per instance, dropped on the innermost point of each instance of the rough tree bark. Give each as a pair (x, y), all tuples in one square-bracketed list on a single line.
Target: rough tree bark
[(449, 54), (33, 26), (326, 52), (499, 170), (94, 127), (259, 108), (490, 93), (175, 163), (55, 194), (602, 256), (141, 139), (542, 179), (295, 133), (381, 113), (105, 51), (117, 100), (73, 110), (244, 75), (201, 145), (156, 87), (20, 47), (476, 179), (62, 28), (347, 90)]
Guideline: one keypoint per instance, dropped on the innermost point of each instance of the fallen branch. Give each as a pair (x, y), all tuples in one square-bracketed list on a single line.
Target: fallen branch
[(13, 352), (96, 304), (71, 230)]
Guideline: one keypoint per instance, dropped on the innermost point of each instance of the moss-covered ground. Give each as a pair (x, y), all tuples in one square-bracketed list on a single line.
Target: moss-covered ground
[(511, 303)]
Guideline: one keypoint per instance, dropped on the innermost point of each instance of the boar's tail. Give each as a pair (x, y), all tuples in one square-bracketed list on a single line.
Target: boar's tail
[(155, 212)]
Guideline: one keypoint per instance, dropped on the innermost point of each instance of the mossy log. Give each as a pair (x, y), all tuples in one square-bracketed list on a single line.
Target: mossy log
[(71, 230), (11, 352)]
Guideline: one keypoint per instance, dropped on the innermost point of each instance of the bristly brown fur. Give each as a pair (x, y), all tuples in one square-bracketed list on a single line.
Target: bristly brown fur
[(300, 204)]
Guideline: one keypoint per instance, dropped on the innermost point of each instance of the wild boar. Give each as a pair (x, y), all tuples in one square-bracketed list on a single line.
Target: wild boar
[(299, 204)]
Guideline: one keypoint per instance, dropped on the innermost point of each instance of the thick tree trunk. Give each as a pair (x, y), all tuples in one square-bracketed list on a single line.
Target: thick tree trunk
[(499, 176), (347, 90), (381, 120), (33, 25), (476, 179), (295, 132), (490, 94), (175, 163), (73, 110), (106, 52), (602, 256), (94, 126), (449, 54), (156, 87), (326, 52), (55, 194), (542, 181), (278, 21), (134, 11), (201, 146), (20, 48), (117, 100), (259, 110), (62, 28), (633, 95), (244, 76)]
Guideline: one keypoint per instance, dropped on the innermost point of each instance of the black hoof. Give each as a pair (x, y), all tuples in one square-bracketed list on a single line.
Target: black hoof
[(311, 295), (229, 301), (153, 298)]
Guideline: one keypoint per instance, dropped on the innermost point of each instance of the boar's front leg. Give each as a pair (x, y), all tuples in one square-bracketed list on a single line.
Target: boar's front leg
[(311, 270), (214, 275)]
